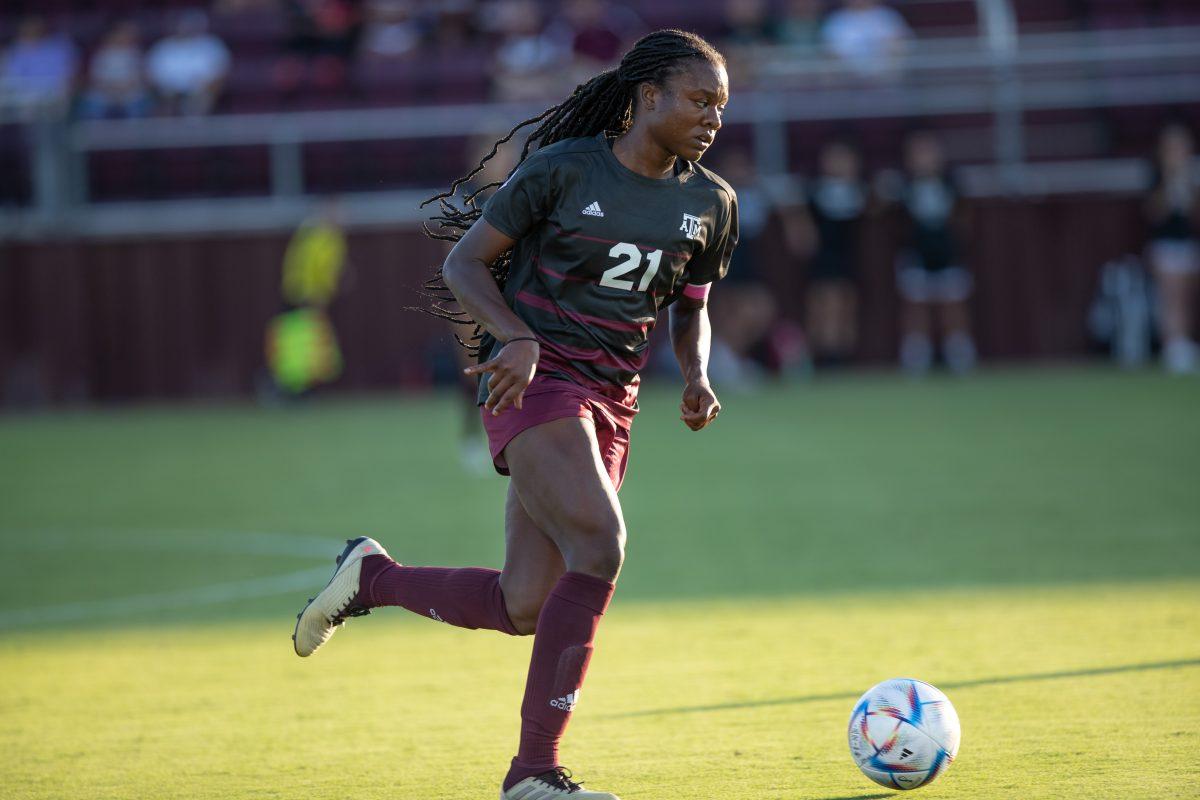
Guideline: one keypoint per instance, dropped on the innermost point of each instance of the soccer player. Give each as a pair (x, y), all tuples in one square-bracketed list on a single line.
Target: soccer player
[(934, 285), (1174, 249), (606, 219)]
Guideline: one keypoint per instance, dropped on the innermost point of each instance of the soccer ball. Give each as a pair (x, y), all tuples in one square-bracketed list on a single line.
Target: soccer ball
[(903, 733)]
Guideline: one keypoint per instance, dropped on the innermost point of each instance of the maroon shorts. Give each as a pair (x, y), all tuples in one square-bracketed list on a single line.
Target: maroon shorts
[(548, 399)]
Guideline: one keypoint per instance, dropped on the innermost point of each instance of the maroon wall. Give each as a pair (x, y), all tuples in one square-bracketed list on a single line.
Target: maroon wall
[(184, 317)]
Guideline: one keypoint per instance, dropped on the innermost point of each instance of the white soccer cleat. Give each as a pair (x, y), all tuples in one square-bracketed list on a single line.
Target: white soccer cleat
[(552, 785), (337, 601)]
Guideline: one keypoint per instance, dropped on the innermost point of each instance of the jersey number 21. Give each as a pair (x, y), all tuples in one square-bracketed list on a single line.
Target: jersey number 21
[(632, 256)]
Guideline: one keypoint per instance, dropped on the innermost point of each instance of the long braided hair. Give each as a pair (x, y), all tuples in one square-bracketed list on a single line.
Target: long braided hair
[(603, 104)]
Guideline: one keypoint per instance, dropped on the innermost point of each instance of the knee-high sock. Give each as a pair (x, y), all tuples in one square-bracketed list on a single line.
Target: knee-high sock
[(562, 648), (468, 598)]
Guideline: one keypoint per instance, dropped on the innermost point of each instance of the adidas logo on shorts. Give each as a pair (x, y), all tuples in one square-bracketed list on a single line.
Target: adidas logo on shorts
[(567, 703), (593, 210)]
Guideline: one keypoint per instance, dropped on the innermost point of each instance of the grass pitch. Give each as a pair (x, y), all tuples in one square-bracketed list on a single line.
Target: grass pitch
[(1028, 542)]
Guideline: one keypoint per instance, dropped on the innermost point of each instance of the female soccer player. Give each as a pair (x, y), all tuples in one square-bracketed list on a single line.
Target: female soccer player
[(606, 219)]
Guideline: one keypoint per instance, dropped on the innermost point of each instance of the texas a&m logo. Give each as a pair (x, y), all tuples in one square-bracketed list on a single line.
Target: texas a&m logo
[(691, 226)]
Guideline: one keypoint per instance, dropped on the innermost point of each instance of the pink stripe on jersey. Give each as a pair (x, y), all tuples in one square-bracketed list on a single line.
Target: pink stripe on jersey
[(547, 271), (697, 291), (583, 319), (601, 357)]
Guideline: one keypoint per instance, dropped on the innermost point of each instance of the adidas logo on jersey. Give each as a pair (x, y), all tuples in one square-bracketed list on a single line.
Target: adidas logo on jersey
[(567, 703), (593, 210)]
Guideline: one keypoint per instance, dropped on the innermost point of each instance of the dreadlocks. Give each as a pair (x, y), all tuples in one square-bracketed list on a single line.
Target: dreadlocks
[(603, 104)]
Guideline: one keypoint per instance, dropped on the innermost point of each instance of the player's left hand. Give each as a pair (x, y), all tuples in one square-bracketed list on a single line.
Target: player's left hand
[(700, 405)]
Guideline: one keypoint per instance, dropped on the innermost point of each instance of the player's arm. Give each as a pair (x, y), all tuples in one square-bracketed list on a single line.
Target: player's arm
[(468, 277), (691, 336)]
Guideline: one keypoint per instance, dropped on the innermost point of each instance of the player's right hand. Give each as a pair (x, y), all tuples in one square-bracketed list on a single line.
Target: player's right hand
[(511, 371)]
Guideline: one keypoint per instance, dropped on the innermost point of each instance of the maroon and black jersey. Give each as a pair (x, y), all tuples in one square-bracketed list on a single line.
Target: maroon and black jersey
[(600, 250)]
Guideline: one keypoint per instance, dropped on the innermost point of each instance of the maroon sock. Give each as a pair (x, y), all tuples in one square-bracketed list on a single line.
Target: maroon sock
[(562, 648), (468, 598)]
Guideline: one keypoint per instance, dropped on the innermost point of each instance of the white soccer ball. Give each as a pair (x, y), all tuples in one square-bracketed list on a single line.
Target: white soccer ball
[(904, 733)]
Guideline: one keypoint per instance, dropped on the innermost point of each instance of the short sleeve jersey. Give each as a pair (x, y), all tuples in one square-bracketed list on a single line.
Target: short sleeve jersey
[(600, 250), (929, 203)]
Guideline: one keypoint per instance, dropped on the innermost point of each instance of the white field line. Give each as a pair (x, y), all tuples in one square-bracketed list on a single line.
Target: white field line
[(309, 579), (187, 541)]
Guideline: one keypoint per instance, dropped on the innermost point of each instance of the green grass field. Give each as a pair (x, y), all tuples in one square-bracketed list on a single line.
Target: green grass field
[(1027, 541)]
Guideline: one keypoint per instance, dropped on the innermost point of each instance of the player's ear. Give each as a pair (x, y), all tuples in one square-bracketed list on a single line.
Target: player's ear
[(648, 96)]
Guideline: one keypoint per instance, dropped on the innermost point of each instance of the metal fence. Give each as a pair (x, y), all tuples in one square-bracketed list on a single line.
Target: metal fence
[(995, 75)]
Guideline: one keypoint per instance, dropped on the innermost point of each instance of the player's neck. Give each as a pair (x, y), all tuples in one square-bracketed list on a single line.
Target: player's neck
[(638, 152)]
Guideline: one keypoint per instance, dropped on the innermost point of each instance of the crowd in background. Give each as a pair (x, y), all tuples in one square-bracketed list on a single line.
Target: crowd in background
[(539, 50), (535, 49), (817, 220)]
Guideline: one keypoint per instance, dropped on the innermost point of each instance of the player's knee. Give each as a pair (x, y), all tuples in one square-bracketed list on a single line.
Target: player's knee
[(599, 555)]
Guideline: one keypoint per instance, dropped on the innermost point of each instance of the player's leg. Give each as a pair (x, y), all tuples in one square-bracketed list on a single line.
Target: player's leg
[(958, 344), (916, 342), (475, 597), (952, 293), (532, 565), (467, 597), (916, 346), (1176, 287), (565, 487), (847, 316)]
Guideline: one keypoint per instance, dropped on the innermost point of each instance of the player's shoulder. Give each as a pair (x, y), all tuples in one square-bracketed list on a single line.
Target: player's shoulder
[(579, 147), (707, 178)]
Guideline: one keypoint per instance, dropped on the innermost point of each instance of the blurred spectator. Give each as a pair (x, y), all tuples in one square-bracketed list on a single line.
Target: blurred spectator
[(323, 38), (116, 83), (1174, 254), (933, 284), (837, 202), (453, 24), (301, 345), (748, 23), (473, 448), (189, 67), (530, 63), (39, 67), (747, 327), (391, 29), (800, 27), (595, 33), (868, 37)]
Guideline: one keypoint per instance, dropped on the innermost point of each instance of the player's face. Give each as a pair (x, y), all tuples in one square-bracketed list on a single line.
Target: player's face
[(688, 115)]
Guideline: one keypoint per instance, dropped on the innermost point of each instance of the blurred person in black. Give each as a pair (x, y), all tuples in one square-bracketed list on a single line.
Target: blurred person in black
[(837, 202), (748, 332), (323, 37), (1173, 207), (800, 25), (933, 284)]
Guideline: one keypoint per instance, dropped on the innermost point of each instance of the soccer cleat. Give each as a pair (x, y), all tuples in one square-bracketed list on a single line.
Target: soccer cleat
[(337, 601), (551, 785)]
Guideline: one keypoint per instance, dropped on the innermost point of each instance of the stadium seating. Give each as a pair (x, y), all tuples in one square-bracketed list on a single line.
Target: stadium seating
[(265, 78)]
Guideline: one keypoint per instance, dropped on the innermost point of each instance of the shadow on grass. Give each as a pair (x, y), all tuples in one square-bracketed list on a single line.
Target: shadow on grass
[(861, 797), (818, 698)]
